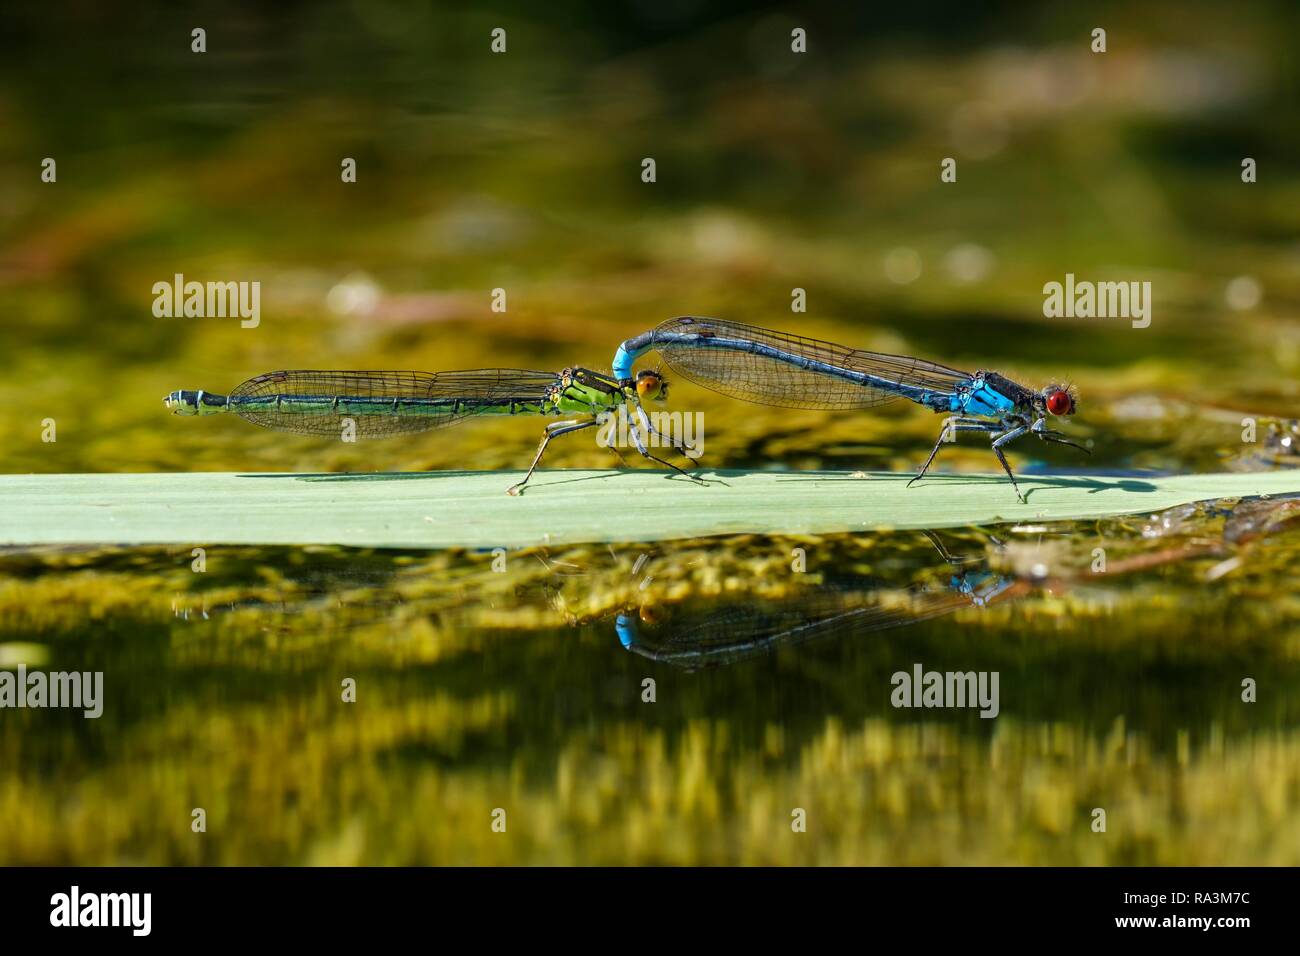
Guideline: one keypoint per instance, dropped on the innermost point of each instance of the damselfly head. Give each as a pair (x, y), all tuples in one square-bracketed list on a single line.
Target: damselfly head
[(1060, 399), (650, 386)]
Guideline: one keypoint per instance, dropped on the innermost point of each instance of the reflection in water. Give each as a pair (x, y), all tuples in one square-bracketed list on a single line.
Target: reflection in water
[(1278, 446), (737, 631), (700, 632), (496, 679)]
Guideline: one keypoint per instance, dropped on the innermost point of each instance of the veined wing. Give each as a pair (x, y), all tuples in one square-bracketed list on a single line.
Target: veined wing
[(381, 403), (793, 371), (740, 632)]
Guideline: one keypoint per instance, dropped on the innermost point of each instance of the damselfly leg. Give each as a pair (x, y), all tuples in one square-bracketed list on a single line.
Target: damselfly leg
[(999, 436), (950, 428), (1056, 438), (553, 430), (556, 429), (1001, 440), (645, 453), (681, 446)]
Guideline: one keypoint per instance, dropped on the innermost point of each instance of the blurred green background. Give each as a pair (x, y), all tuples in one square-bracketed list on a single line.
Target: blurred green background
[(775, 171), (521, 171)]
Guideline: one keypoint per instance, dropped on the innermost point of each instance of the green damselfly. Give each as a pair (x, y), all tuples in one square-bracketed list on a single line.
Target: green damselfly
[(381, 404)]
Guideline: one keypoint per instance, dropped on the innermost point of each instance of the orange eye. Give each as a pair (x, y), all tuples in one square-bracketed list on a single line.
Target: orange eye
[(649, 385), (1060, 403)]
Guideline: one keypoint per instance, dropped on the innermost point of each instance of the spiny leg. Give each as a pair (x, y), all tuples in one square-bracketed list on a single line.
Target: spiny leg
[(1056, 438), (681, 447), (953, 562), (954, 424), (640, 446), (601, 416), (997, 450), (938, 545), (553, 430)]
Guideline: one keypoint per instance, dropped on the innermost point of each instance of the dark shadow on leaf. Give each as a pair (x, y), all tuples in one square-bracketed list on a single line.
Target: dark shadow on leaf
[(539, 481), (1092, 483)]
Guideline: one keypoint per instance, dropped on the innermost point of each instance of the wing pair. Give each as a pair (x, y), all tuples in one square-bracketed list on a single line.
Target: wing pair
[(440, 398), (791, 371)]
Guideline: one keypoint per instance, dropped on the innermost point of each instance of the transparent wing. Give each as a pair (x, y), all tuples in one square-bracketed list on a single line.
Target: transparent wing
[(382, 403), (740, 632), (792, 371)]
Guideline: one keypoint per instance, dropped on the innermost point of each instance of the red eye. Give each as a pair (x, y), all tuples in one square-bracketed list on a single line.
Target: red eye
[(1060, 403)]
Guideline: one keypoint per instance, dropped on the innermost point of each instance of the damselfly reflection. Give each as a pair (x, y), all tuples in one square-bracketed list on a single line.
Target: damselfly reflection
[(868, 584), (751, 627)]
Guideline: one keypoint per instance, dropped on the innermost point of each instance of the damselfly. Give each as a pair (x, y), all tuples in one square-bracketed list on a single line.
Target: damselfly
[(791, 371), (740, 630), (380, 404)]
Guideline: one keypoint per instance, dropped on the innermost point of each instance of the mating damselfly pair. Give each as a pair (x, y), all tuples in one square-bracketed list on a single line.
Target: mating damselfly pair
[(741, 361)]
